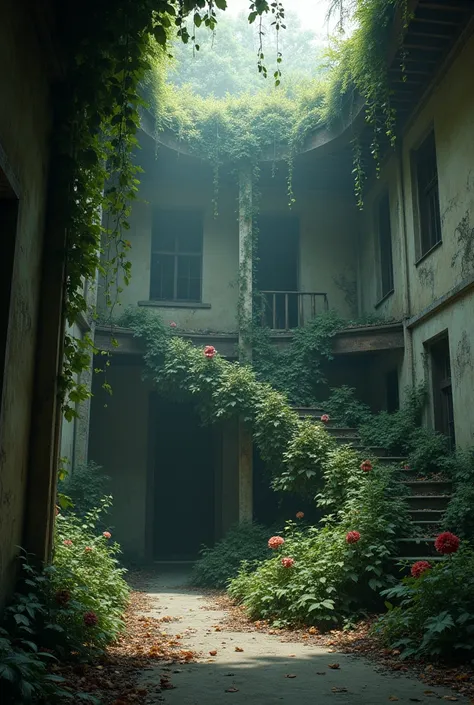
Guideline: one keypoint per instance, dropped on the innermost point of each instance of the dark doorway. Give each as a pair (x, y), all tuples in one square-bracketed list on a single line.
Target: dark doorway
[(184, 470), (391, 391), (442, 388), (8, 225), (277, 270)]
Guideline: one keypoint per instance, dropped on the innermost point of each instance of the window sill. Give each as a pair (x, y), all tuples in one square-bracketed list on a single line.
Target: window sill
[(174, 304), (384, 298), (428, 252)]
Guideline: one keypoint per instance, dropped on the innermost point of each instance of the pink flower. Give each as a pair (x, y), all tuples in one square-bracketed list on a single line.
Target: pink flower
[(366, 466), (210, 351), (107, 535), (88, 549), (67, 542), (173, 324), (352, 537), (275, 542), (447, 543), (325, 418), (90, 619), (300, 515), (287, 562), (419, 568)]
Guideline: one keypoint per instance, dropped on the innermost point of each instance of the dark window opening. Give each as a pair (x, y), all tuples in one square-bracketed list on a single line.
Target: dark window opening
[(176, 256), (428, 194), (391, 391), (385, 246), (8, 226), (442, 389)]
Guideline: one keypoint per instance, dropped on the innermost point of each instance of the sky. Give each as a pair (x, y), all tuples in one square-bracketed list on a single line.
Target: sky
[(311, 12)]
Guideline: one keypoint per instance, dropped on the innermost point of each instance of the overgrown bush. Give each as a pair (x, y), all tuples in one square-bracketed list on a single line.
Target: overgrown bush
[(85, 486), (434, 614), (459, 515), (337, 569), (344, 408), (217, 565)]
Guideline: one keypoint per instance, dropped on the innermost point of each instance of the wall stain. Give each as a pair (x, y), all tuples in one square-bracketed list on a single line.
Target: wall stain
[(464, 257), (426, 276), (346, 282), (463, 358)]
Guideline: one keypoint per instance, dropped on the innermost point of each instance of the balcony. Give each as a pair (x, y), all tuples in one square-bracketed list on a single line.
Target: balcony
[(284, 310)]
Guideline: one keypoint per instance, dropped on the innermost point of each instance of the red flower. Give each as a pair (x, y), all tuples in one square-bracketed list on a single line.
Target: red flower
[(62, 597), (325, 418), (419, 568), (406, 467), (210, 351), (300, 515), (173, 324), (366, 466), (352, 537), (67, 542), (275, 542), (107, 535), (287, 562), (90, 619), (447, 543), (88, 549)]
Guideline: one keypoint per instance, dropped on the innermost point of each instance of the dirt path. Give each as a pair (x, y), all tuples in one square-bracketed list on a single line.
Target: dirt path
[(258, 669)]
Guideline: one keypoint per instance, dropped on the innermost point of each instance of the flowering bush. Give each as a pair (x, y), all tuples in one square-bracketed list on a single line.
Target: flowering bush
[(275, 542), (447, 543), (419, 568), (210, 351), (300, 515), (352, 537), (434, 612), (287, 562), (366, 466), (325, 418)]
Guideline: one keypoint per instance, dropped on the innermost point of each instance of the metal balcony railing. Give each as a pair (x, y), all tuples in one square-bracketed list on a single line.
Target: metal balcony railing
[(283, 310)]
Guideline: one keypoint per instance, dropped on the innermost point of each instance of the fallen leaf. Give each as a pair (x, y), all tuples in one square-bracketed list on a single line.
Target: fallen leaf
[(290, 675), (312, 630), (238, 649), (393, 697), (449, 697), (336, 689), (334, 666), (231, 690), (213, 653), (320, 673)]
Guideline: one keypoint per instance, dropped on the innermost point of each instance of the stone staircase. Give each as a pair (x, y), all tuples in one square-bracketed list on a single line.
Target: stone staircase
[(428, 498)]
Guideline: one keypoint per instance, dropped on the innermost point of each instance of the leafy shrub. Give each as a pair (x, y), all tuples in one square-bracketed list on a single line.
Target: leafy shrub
[(331, 578), (459, 516), (243, 542), (426, 449), (434, 615), (344, 409), (85, 486), (339, 478)]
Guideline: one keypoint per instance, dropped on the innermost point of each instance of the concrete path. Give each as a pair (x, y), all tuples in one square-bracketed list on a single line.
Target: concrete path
[(257, 669)]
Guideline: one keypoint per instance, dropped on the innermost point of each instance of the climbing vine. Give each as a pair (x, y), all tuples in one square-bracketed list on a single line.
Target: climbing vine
[(105, 53)]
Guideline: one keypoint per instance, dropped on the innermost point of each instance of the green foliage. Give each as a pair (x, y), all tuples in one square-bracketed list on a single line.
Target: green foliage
[(331, 579), (338, 478), (243, 542), (344, 409), (434, 613), (85, 487), (459, 516)]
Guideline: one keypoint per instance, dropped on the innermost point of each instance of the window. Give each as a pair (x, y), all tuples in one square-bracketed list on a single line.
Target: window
[(428, 195), (442, 389), (176, 256), (385, 246)]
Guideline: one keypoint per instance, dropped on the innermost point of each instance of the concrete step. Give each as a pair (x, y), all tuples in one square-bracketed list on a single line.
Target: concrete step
[(309, 412), (413, 559), (341, 432), (429, 487), (428, 501), (430, 516), (415, 546), (391, 460)]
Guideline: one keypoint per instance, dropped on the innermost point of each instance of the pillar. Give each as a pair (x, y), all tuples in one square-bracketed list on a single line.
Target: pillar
[(245, 473), (245, 260)]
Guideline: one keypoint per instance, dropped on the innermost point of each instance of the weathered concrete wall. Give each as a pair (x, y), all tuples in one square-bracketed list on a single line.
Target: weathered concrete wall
[(24, 135)]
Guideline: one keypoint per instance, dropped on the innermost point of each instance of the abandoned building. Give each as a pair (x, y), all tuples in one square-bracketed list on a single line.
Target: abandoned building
[(407, 257)]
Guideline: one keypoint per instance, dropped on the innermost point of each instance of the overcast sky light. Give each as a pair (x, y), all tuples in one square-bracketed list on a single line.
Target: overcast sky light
[(311, 12)]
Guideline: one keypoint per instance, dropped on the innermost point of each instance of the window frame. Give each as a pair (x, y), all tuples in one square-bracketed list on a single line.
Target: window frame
[(429, 234), (384, 291), (176, 253)]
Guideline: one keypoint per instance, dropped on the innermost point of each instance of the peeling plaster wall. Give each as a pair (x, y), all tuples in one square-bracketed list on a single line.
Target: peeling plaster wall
[(24, 135)]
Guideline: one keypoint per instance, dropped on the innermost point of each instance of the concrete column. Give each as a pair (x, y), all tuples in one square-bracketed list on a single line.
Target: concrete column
[(245, 258), (245, 474)]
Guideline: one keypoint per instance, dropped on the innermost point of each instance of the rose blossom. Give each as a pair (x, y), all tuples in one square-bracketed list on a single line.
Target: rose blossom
[(173, 324), (447, 543), (287, 562), (210, 351), (366, 466), (107, 535), (352, 536), (90, 619), (300, 515), (325, 418), (88, 549), (67, 542), (275, 542), (419, 568)]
